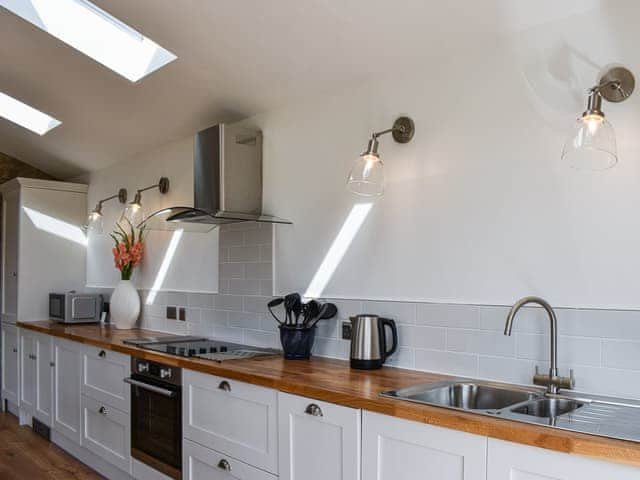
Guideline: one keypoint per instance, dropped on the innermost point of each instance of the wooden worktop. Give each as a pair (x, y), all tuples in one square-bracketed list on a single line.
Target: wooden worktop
[(333, 381)]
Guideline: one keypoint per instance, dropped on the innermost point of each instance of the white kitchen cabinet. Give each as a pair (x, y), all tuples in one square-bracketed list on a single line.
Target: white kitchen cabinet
[(200, 463), (44, 247), (43, 406), (106, 431), (67, 379), (10, 364), (395, 449), (27, 384), (234, 418), (318, 440), (511, 461), (103, 372)]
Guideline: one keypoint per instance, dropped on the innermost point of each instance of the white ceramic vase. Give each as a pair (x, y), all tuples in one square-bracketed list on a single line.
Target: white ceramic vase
[(124, 305)]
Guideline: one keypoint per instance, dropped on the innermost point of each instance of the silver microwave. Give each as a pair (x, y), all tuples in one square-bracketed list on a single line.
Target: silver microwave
[(72, 307)]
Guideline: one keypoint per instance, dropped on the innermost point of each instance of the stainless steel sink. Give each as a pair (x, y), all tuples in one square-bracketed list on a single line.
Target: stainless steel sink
[(466, 395), (598, 415), (548, 407)]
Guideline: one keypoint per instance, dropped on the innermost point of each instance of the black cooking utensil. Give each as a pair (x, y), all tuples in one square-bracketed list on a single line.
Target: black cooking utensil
[(319, 315), (274, 303), (291, 302), (311, 309), (330, 312)]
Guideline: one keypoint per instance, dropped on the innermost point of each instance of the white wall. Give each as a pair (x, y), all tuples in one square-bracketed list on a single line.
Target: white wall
[(478, 208), (194, 267)]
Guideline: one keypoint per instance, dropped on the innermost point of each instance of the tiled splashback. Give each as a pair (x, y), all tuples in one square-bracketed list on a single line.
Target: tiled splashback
[(602, 346)]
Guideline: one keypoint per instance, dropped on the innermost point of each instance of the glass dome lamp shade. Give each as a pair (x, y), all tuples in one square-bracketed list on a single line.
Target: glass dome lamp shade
[(367, 175), (95, 221), (133, 212), (592, 144)]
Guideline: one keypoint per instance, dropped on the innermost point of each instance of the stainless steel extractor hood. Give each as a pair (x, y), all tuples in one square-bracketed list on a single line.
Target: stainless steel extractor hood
[(227, 183)]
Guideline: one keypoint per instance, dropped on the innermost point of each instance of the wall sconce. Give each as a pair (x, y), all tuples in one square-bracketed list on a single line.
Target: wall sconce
[(95, 221), (592, 144), (367, 175), (133, 212)]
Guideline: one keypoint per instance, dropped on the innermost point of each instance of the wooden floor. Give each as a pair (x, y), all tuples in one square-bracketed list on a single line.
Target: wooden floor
[(26, 456)]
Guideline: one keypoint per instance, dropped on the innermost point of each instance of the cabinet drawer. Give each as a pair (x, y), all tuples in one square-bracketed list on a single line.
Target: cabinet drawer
[(234, 418), (106, 432), (103, 375), (200, 463), (318, 440)]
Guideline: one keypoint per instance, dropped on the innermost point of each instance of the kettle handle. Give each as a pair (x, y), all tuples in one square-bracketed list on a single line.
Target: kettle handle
[(387, 322)]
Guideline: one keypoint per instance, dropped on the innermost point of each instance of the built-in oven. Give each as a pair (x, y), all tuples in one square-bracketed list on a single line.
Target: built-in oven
[(156, 416)]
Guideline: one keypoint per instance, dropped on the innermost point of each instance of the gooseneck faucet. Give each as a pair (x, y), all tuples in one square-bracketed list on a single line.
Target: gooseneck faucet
[(553, 382)]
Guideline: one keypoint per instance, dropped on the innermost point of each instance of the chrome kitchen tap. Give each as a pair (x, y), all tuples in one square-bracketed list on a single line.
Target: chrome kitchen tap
[(552, 381)]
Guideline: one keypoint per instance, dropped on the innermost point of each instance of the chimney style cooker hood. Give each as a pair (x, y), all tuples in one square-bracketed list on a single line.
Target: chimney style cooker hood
[(227, 183)]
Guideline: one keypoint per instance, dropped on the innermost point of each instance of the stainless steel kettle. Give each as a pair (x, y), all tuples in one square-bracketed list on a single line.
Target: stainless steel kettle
[(369, 341)]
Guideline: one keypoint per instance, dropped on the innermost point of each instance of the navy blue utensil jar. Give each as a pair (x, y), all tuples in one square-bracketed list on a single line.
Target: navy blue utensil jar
[(297, 342)]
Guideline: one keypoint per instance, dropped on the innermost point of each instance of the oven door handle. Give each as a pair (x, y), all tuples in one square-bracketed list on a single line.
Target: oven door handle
[(151, 388)]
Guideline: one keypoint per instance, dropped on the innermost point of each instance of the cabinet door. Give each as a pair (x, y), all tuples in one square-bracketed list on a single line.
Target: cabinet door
[(27, 386), (510, 461), (200, 463), (318, 440), (66, 398), (44, 378), (106, 432), (395, 449), (103, 374), (10, 363), (234, 418), (10, 232)]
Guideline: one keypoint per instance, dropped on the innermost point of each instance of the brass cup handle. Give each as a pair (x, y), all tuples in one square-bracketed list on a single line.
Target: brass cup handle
[(313, 409), (224, 385), (224, 465), (102, 354), (102, 410)]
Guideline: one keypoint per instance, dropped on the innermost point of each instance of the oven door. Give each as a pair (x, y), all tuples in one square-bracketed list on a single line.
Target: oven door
[(156, 424)]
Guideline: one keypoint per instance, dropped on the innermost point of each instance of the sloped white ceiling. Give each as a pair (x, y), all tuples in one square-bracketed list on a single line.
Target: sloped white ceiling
[(238, 58)]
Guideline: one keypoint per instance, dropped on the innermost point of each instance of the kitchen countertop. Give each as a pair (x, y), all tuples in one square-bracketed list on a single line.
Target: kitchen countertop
[(333, 381)]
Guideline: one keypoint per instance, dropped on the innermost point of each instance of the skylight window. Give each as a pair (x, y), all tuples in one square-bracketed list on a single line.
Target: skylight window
[(95, 33), (26, 116)]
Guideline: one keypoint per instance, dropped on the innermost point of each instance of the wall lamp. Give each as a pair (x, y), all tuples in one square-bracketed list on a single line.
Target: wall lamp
[(592, 144), (133, 212), (95, 221), (367, 175)]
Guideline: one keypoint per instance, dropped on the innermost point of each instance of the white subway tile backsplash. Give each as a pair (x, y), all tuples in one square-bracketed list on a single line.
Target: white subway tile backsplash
[(261, 339), (200, 300), (227, 302), (176, 298), (214, 317), (244, 254), (232, 270), (266, 287), (445, 315), (463, 364), (621, 324), (506, 369), (403, 357), (347, 308), (328, 328), (260, 271), (245, 320), (399, 311), (479, 341), (261, 236), (239, 286), (230, 238), (422, 337), (621, 354), (230, 334), (333, 348), (266, 253), (571, 350)]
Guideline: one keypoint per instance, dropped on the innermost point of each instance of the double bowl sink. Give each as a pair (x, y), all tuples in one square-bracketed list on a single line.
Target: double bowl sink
[(516, 403)]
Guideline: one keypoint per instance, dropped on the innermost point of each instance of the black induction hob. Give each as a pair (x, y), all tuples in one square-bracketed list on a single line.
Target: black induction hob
[(200, 347)]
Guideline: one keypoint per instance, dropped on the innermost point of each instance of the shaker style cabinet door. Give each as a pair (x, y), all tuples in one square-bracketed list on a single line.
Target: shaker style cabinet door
[(66, 402), (511, 461), (395, 449), (27, 371), (10, 363), (234, 418), (43, 406), (318, 440)]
